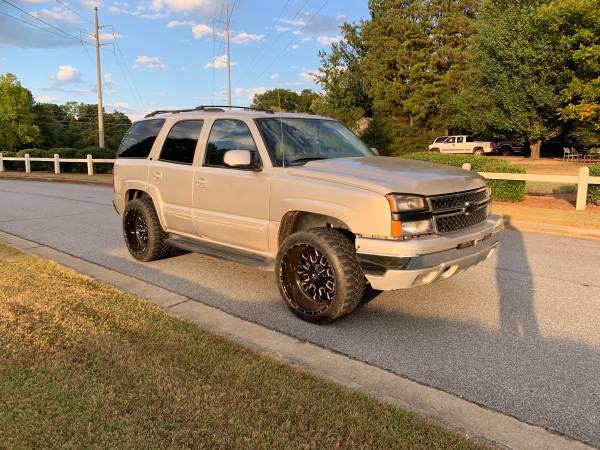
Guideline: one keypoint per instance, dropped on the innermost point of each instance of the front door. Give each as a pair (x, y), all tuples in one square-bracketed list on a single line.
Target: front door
[(172, 174), (231, 206)]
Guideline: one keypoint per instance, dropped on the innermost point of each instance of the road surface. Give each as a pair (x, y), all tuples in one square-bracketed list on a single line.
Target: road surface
[(519, 334)]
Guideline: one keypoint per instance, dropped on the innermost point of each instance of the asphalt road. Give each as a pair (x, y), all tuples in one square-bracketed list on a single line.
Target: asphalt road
[(519, 334)]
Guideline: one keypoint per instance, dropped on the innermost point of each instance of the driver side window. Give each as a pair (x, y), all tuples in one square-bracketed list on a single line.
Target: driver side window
[(450, 140), (227, 134)]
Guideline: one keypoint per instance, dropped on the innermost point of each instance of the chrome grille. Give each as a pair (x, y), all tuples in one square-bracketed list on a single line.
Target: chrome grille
[(453, 212)]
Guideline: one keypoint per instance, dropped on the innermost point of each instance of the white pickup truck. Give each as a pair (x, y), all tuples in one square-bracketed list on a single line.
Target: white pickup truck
[(460, 144)]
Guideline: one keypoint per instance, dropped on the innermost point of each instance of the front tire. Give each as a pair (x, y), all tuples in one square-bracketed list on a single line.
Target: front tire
[(144, 236), (318, 275)]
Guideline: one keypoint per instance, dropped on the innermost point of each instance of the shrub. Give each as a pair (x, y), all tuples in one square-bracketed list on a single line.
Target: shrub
[(505, 190), (67, 152), (594, 189), (11, 165)]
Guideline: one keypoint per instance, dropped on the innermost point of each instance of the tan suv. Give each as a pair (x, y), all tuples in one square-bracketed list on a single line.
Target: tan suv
[(303, 196)]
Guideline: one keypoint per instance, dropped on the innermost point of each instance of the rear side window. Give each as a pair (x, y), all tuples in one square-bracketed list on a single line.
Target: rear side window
[(180, 145), (459, 139), (138, 141), (227, 134), (469, 138)]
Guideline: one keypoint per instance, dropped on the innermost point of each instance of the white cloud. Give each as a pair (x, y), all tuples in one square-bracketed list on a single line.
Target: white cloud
[(57, 16), (110, 36), (200, 30), (66, 75), (280, 29), (307, 24), (306, 39), (202, 7), (308, 75), (295, 46), (243, 38), (325, 40), (180, 23), (274, 76), (121, 104), (219, 62), (149, 62), (250, 92), (45, 99), (107, 78)]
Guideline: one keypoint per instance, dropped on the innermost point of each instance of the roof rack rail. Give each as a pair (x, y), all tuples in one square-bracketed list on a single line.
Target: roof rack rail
[(205, 108)]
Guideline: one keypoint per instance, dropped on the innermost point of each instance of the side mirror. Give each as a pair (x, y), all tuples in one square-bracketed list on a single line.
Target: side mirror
[(239, 159), (375, 151)]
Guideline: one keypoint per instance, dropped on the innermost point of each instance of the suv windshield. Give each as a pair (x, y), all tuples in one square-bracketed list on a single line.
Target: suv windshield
[(298, 141)]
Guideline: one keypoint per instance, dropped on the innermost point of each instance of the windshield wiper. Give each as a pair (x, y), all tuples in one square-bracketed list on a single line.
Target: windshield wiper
[(304, 160)]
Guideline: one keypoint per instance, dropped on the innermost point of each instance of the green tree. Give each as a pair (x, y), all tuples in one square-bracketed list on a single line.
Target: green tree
[(517, 77), (399, 67), (342, 78), (285, 100), (575, 28), (17, 126)]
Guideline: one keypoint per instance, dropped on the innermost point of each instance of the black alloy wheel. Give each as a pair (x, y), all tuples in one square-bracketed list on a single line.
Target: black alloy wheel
[(136, 232)]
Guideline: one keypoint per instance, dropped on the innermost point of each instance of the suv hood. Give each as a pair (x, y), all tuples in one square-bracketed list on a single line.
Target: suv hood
[(386, 174)]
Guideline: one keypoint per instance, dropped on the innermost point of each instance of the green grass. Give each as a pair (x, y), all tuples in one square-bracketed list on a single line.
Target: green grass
[(84, 365)]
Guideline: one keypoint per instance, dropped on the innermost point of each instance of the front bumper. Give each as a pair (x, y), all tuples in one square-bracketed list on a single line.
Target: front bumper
[(391, 264)]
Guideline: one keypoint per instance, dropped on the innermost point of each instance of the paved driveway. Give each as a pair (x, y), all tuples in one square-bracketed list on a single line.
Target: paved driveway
[(519, 334)]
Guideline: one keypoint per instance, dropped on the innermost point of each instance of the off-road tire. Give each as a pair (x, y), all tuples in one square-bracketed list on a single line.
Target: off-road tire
[(340, 255), (156, 246)]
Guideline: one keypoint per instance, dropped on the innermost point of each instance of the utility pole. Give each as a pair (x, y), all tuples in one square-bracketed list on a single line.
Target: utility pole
[(228, 57), (99, 81)]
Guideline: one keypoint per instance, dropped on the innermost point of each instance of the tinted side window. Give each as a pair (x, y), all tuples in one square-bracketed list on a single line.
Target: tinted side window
[(227, 134), (459, 139), (138, 141), (450, 140), (180, 144), (469, 138)]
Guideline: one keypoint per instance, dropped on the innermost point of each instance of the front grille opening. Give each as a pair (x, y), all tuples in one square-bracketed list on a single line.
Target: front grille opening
[(450, 212)]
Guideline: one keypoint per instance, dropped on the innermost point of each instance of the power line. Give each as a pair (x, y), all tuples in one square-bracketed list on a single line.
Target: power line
[(262, 44), (70, 36), (32, 25), (73, 11), (292, 40)]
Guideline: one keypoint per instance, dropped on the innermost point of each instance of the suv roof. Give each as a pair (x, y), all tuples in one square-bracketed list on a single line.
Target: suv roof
[(242, 112)]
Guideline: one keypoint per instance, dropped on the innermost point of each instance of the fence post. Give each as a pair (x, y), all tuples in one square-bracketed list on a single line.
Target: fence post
[(582, 188), (27, 163), (90, 164), (466, 166), (56, 164), (1, 163)]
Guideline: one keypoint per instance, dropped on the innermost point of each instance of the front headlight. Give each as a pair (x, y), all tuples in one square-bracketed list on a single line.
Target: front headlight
[(404, 203), (417, 227)]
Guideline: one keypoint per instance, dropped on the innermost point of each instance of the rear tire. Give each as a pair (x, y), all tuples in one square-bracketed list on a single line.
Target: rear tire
[(318, 275), (144, 236), (478, 151), (506, 151)]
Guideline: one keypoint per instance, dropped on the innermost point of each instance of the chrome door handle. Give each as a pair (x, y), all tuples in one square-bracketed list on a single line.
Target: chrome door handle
[(202, 182), (157, 175)]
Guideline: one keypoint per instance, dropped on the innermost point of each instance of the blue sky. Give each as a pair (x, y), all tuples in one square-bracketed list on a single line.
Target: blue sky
[(168, 52)]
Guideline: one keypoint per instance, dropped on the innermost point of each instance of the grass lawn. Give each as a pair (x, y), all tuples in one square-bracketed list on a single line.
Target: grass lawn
[(84, 365)]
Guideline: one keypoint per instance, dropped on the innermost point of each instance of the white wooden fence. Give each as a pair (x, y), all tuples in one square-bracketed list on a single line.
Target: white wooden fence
[(583, 180), (57, 160)]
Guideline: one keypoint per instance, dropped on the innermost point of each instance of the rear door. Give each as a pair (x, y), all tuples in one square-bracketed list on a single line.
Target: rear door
[(460, 144), (449, 145), (172, 174)]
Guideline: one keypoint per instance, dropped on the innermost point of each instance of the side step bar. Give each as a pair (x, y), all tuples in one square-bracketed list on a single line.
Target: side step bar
[(223, 252)]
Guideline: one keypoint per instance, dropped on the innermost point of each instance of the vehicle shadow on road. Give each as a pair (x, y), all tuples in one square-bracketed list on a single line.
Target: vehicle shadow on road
[(517, 307)]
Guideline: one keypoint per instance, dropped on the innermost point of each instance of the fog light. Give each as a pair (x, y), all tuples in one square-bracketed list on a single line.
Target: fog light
[(416, 227)]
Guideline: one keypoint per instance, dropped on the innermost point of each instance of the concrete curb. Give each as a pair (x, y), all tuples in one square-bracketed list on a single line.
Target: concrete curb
[(51, 179), (476, 422), (561, 230)]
